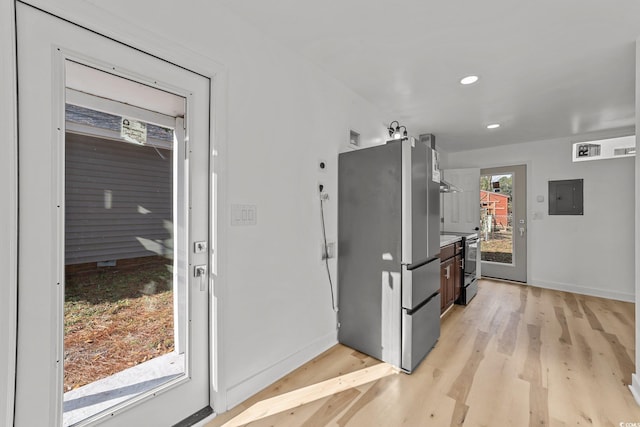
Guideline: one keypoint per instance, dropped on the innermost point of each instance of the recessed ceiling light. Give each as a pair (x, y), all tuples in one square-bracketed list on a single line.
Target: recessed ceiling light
[(469, 80), (493, 126)]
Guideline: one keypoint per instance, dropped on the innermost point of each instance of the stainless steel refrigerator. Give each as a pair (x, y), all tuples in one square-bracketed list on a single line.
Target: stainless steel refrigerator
[(389, 246)]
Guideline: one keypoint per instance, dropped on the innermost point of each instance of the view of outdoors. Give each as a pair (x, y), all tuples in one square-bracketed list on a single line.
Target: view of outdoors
[(496, 220), (115, 320), (119, 304)]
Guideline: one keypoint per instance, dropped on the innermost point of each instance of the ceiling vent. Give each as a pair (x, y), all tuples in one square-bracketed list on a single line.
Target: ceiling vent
[(604, 149)]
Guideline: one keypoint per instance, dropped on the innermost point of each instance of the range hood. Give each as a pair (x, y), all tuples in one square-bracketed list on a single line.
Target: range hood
[(447, 187)]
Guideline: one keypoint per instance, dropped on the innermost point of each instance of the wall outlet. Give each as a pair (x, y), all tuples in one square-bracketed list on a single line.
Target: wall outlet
[(323, 191), (329, 251)]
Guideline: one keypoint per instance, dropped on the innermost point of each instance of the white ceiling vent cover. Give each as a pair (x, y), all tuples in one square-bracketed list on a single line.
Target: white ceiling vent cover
[(604, 149)]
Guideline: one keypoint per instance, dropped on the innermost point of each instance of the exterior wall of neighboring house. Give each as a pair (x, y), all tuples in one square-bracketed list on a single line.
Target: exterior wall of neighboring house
[(118, 195), (118, 200), (496, 205)]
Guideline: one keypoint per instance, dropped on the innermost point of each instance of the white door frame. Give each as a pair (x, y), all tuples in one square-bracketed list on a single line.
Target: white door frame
[(9, 214), (92, 17), (522, 214), (530, 202)]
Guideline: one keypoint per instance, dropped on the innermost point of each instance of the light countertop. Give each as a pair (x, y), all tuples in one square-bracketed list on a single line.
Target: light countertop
[(447, 239)]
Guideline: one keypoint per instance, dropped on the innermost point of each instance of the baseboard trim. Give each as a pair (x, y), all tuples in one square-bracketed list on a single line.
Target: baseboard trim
[(635, 388), (582, 290), (240, 392)]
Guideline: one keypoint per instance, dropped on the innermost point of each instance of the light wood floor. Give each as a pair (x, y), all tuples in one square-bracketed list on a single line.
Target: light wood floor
[(516, 356)]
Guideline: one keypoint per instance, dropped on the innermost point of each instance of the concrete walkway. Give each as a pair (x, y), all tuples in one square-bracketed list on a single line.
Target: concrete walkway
[(100, 395)]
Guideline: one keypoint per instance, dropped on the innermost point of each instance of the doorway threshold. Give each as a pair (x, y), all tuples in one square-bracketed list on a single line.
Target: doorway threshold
[(93, 398)]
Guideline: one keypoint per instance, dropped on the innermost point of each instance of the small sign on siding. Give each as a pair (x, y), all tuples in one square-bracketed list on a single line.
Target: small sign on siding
[(133, 131)]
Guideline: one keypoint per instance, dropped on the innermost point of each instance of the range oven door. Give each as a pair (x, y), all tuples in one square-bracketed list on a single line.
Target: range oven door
[(471, 254), (469, 291)]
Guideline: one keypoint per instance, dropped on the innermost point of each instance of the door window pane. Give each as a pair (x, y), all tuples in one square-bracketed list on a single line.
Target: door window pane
[(496, 219), (120, 302)]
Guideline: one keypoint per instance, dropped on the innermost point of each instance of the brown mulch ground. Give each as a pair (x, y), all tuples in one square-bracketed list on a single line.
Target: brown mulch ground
[(499, 247), (114, 320)]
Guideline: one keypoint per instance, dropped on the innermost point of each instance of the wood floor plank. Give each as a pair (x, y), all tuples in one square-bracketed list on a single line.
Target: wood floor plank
[(311, 393), (572, 304), (538, 406), (591, 315), (565, 338), (497, 376), (462, 385), (507, 342), (515, 356), (335, 405), (371, 395)]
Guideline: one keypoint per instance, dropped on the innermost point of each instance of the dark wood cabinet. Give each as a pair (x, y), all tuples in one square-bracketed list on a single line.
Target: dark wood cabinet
[(457, 279), (451, 272), (447, 271)]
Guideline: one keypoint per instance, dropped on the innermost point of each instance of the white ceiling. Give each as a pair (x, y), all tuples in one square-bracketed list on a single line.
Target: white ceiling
[(548, 68)]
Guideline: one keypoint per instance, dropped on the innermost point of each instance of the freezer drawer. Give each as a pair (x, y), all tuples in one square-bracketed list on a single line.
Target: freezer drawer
[(420, 283), (420, 332)]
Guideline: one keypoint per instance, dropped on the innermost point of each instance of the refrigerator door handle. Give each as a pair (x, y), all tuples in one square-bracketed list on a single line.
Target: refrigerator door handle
[(407, 287), (406, 231)]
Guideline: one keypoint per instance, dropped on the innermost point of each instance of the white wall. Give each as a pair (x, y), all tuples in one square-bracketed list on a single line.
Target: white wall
[(591, 254), (283, 115)]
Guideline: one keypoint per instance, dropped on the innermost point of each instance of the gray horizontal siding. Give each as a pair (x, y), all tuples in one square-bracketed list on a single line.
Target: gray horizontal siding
[(86, 116), (137, 221)]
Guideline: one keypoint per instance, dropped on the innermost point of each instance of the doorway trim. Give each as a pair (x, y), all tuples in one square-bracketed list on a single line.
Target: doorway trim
[(100, 21), (530, 201), (8, 216)]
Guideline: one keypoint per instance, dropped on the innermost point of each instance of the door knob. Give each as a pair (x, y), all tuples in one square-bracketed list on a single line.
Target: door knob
[(200, 271)]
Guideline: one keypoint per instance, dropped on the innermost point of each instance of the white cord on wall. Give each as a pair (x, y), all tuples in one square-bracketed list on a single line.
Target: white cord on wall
[(326, 251)]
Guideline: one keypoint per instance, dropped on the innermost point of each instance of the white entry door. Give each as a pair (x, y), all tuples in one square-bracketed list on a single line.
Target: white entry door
[(113, 227), (503, 229), (461, 209)]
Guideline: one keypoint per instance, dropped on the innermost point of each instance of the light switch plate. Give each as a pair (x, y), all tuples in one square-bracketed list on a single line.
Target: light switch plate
[(244, 214)]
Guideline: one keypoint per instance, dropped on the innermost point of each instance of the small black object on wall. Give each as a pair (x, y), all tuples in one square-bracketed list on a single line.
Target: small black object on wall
[(566, 197)]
